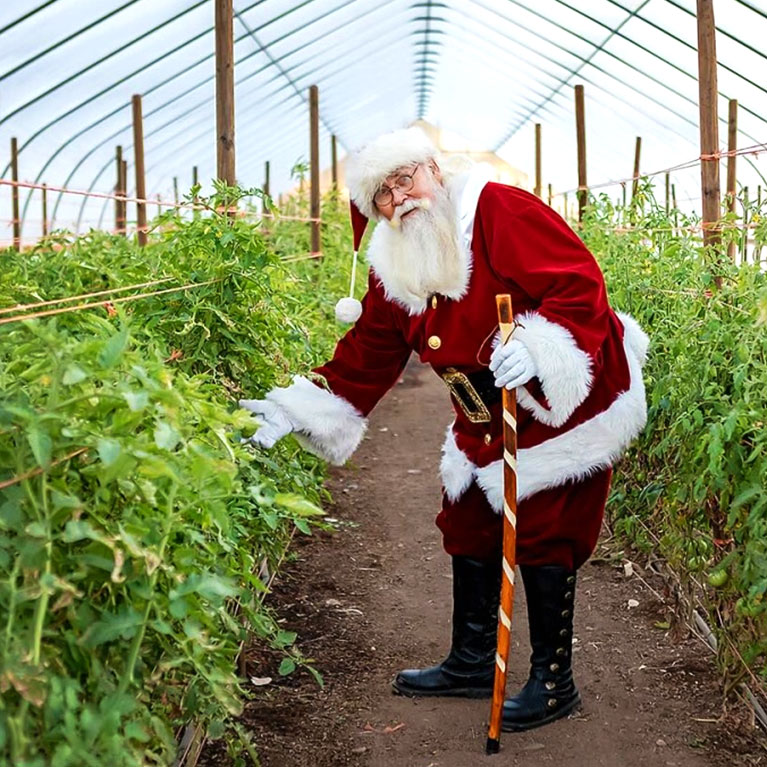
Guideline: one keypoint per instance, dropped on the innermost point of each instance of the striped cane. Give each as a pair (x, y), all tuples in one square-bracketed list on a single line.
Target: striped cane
[(505, 323)]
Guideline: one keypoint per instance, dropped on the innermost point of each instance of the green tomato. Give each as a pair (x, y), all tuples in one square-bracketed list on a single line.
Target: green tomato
[(717, 578)]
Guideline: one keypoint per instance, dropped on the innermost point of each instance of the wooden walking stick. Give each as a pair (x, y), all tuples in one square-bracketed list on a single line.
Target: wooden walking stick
[(506, 325)]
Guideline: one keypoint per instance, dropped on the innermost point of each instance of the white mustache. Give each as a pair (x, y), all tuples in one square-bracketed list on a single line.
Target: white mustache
[(424, 203)]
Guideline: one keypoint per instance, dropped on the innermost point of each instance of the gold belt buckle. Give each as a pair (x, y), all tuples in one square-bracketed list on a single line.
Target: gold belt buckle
[(466, 396)]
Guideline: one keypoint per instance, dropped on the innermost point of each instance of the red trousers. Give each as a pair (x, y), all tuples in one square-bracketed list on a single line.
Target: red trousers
[(554, 527)]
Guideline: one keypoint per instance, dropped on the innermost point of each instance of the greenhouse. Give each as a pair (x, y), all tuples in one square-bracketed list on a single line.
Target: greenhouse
[(241, 518)]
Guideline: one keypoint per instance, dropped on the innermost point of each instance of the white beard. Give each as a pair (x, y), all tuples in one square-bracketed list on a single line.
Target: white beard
[(421, 254)]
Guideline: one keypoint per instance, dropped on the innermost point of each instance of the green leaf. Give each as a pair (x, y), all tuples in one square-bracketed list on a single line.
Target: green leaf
[(113, 348), (136, 400), (41, 444), (303, 526), (165, 436), (108, 450), (122, 624), (73, 374), (297, 505), (288, 666)]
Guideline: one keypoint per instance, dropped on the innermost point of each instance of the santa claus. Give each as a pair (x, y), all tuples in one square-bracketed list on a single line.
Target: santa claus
[(444, 246)]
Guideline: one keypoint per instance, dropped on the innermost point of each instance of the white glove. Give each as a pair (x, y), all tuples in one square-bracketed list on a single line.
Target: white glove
[(512, 364), (276, 423)]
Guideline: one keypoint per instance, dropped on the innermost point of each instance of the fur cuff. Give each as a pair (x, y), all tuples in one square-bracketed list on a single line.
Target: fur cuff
[(564, 369), (456, 470), (326, 424)]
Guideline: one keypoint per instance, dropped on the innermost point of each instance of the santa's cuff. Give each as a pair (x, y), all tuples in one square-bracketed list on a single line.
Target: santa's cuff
[(564, 369), (326, 424)]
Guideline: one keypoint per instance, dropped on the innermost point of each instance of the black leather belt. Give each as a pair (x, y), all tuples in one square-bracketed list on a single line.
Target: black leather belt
[(475, 393)]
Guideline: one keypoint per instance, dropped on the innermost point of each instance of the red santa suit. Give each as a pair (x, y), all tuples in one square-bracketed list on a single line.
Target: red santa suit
[(574, 419)]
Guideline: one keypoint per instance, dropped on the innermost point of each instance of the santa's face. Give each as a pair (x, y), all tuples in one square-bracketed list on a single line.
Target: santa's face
[(423, 178), (419, 240)]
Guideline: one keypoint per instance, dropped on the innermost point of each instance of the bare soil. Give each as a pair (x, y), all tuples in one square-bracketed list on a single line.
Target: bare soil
[(374, 597)]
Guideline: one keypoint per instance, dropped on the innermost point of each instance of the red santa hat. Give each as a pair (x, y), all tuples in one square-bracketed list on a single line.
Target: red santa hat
[(372, 163)]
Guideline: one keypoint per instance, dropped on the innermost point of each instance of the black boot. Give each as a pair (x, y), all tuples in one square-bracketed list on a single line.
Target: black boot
[(469, 669), (550, 692)]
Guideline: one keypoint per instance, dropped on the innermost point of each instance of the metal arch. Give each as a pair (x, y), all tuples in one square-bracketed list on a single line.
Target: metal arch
[(613, 32), (65, 40), (584, 61), (177, 96), (93, 64), (752, 8), (186, 129), (721, 31), (27, 15), (686, 45), (172, 100)]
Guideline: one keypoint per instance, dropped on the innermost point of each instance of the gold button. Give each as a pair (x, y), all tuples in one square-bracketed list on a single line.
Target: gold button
[(433, 302), (435, 342), (488, 438), (551, 703), (554, 667)]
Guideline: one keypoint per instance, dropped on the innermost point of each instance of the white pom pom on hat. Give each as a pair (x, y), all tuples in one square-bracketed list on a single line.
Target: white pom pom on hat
[(348, 309)]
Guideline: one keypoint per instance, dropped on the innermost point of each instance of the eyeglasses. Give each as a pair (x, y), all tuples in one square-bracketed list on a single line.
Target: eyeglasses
[(403, 183)]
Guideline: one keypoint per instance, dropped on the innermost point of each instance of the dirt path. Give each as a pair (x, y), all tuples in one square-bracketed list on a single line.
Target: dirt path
[(375, 597)]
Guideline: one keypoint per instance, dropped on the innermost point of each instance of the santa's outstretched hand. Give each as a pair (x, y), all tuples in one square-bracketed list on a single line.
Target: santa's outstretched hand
[(275, 422), (512, 364)]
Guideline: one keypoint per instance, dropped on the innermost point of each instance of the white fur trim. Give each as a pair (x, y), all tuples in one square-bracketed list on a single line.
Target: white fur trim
[(455, 469), (564, 369), (634, 337), (371, 164), (325, 423), (579, 452)]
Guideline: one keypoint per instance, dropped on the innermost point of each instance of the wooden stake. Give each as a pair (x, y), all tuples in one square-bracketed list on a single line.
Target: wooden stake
[(314, 169), (267, 180), (668, 192), (566, 211), (537, 189), (334, 161), (45, 210), (580, 126), (746, 222), (637, 153), (551, 195), (195, 180), (225, 169), (15, 194), (709, 123), (138, 161), (732, 145), (119, 192), (123, 203), (175, 189), (673, 201)]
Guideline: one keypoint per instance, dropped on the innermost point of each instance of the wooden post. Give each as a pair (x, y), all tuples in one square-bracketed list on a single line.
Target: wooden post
[(551, 195), (267, 180), (673, 202), (709, 123), (668, 192), (175, 189), (732, 145), (119, 192), (537, 190), (334, 161), (314, 169), (580, 125), (124, 204), (138, 161), (637, 152), (15, 194), (45, 210), (225, 92), (195, 180)]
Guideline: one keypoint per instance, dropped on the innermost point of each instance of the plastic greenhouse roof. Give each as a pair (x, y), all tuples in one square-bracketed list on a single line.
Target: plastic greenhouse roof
[(485, 70)]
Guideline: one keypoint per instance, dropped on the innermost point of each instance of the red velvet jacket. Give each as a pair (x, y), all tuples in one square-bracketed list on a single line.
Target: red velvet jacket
[(574, 418)]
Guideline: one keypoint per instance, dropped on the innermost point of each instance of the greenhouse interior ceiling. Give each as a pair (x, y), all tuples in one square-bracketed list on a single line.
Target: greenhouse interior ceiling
[(484, 72)]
